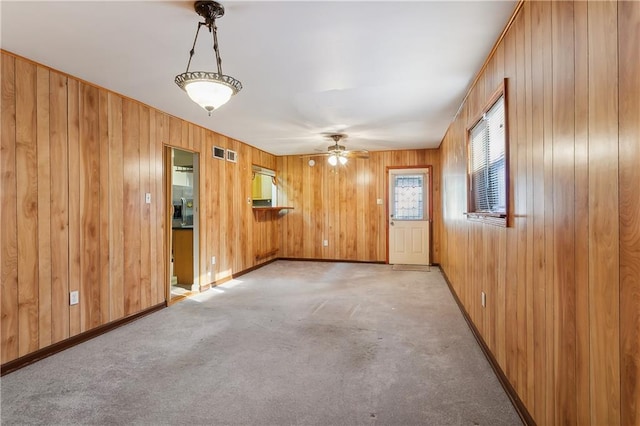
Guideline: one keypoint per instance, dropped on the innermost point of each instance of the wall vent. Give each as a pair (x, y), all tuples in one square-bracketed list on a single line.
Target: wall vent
[(218, 152), (232, 156)]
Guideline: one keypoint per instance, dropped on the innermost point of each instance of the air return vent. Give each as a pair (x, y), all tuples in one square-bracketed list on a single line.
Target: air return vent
[(218, 152)]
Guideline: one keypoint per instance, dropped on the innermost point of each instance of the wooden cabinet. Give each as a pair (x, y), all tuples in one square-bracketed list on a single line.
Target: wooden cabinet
[(182, 249), (261, 187)]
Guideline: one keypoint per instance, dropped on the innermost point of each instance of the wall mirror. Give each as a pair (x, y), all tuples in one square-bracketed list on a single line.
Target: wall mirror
[(263, 187)]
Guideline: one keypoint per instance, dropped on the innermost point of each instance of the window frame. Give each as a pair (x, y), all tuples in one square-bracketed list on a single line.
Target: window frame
[(498, 219)]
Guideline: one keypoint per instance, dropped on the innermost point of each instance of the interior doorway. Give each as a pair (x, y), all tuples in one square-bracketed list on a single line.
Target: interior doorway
[(409, 216), (182, 171)]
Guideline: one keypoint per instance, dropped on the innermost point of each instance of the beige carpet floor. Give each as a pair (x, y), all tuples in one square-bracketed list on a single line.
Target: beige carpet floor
[(292, 343)]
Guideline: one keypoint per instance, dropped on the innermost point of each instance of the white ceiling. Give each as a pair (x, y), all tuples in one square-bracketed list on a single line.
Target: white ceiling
[(389, 74)]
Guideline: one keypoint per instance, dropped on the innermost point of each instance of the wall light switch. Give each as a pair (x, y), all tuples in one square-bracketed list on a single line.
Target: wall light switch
[(147, 198), (379, 201), (74, 297)]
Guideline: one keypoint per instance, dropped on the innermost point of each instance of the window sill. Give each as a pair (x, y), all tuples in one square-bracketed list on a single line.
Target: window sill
[(494, 219)]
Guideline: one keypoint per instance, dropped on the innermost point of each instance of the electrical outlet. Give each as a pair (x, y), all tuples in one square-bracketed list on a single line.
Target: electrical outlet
[(74, 297), (484, 299), (213, 260), (325, 243), (147, 198)]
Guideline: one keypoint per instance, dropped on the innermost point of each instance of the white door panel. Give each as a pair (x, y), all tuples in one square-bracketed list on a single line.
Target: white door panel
[(409, 221)]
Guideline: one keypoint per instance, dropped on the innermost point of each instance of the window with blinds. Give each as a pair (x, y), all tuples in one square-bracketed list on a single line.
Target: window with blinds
[(487, 163)]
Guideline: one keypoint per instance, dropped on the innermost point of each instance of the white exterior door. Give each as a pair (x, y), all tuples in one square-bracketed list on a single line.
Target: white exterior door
[(409, 216)]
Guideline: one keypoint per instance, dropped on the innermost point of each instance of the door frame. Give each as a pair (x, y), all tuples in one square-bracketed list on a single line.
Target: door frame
[(167, 173), (430, 209)]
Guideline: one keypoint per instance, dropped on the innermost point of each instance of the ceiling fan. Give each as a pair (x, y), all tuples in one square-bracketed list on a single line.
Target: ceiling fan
[(338, 153)]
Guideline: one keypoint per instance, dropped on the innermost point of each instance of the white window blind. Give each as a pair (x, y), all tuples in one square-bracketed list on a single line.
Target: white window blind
[(487, 165)]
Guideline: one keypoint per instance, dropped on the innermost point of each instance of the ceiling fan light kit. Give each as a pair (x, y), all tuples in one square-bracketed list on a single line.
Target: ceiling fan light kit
[(210, 90), (337, 153)]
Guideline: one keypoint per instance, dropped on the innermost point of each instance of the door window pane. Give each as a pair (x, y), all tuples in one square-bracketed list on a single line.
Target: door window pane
[(408, 197)]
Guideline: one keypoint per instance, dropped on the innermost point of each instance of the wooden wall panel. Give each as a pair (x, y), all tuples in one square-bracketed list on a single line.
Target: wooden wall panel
[(340, 205), (73, 128), (27, 199), (8, 215), (567, 326), (563, 208), (162, 133), (581, 67), (604, 285), (44, 208), (89, 208), (103, 200), (116, 208), (145, 209), (155, 275), (76, 163), (132, 205), (58, 159), (538, 210), (629, 182)]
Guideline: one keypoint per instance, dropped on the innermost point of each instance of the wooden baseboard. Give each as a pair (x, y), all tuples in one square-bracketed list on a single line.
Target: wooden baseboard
[(303, 259), (519, 406), (16, 364)]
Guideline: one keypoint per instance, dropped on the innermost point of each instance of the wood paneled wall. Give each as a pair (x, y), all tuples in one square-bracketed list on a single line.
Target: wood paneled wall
[(76, 163), (563, 280), (339, 204)]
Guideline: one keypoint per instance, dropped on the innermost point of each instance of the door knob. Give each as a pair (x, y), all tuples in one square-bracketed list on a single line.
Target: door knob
[(391, 223)]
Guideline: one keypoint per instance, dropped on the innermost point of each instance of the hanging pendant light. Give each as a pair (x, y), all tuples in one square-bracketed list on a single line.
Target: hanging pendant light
[(210, 90)]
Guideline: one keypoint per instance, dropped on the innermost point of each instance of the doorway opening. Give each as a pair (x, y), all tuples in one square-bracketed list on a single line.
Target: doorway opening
[(409, 209), (182, 171)]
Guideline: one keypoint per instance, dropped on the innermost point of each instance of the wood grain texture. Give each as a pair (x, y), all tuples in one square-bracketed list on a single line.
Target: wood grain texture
[(162, 133), (87, 157), (104, 270), (44, 208), (571, 263), (116, 208), (73, 129), (583, 399), (27, 201), (629, 182), (574, 152), (59, 164), (340, 205), (564, 214), (155, 275), (144, 209), (537, 212), (89, 196), (8, 215), (132, 206), (604, 273)]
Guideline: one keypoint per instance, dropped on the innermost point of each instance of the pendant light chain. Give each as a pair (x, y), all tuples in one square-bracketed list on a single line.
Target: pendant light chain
[(193, 48), (213, 28)]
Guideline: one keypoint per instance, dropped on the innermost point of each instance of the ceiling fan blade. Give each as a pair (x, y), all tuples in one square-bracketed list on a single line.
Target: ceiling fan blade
[(356, 154), (325, 154)]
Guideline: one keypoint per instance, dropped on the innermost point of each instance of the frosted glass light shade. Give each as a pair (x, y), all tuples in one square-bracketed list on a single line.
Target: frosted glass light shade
[(208, 89), (333, 160), (343, 160), (209, 95)]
